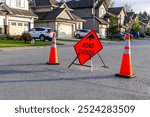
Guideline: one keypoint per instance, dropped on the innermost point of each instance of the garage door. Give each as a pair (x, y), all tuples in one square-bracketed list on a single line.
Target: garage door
[(103, 32), (16, 28), (65, 30)]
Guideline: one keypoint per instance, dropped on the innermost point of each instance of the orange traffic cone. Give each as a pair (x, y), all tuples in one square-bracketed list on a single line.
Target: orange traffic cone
[(126, 66), (53, 58)]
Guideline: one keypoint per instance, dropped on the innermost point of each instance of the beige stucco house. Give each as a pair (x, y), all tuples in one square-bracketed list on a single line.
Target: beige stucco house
[(15, 17), (57, 16), (84, 9)]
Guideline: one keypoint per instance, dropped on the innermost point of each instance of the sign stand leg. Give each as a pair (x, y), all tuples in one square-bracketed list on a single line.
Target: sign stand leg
[(102, 61), (73, 62), (91, 65)]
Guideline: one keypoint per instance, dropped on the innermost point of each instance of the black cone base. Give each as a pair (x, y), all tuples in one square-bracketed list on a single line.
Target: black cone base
[(118, 75), (53, 63)]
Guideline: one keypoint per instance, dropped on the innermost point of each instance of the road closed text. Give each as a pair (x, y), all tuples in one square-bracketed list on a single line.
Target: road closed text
[(87, 49)]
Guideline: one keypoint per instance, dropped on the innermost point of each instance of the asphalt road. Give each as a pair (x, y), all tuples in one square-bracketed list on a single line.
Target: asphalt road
[(24, 74)]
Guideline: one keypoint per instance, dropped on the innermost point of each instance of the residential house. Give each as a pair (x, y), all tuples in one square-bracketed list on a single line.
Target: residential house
[(119, 13), (145, 23), (130, 18), (15, 17), (84, 9), (56, 16)]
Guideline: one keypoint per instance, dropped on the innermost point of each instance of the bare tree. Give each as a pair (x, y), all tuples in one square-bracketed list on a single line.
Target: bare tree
[(144, 15), (127, 8)]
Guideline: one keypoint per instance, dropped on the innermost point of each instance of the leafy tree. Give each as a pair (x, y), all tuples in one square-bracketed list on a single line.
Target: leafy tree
[(136, 27), (148, 30), (113, 26)]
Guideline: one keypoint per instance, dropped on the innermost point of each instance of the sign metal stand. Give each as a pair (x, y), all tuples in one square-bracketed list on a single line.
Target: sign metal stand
[(91, 66), (86, 48)]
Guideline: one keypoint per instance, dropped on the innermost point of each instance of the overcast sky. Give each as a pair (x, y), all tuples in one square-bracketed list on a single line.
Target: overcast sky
[(137, 5)]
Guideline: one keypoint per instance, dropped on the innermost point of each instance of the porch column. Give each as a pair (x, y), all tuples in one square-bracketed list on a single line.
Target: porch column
[(56, 28), (6, 27), (31, 24)]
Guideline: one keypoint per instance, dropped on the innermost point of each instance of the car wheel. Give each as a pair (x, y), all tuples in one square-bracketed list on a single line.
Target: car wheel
[(50, 39), (42, 38), (78, 36)]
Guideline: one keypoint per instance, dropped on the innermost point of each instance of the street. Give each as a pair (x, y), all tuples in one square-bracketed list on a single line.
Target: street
[(25, 75)]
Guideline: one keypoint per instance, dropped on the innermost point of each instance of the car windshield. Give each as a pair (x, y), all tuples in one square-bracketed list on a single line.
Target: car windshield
[(50, 30)]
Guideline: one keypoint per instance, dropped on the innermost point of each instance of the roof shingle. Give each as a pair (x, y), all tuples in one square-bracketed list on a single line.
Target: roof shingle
[(43, 3), (115, 10), (82, 4), (50, 15), (22, 12)]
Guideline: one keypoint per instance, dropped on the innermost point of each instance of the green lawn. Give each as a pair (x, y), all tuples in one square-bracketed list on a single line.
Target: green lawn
[(16, 43)]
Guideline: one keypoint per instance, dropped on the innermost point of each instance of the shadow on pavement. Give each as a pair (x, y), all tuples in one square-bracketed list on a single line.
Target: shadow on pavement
[(59, 79), (33, 64)]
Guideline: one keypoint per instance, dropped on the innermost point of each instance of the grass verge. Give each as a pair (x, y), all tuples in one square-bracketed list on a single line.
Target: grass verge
[(16, 43)]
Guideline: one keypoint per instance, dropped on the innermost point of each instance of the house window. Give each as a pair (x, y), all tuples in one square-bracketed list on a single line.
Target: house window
[(20, 3), (13, 23), (101, 12), (20, 24)]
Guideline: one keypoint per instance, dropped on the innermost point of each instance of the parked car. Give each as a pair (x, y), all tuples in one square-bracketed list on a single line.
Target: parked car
[(42, 33), (131, 36), (120, 36), (147, 34), (142, 35), (81, 33), (135, 35)]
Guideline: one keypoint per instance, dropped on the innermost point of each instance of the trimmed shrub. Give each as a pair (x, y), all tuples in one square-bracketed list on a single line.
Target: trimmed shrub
[(26, 37)]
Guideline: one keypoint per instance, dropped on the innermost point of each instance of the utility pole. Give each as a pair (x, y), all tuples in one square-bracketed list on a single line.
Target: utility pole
[(94, 14), (95, 2)]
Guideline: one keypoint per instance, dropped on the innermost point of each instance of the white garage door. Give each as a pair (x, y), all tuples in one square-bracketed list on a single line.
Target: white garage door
[(16, 28), (65, 30), (103, 32)]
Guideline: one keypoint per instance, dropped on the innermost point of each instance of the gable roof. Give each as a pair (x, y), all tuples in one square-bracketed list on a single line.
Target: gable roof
[(129, 17), (37, 3), (64, 5), (19, 12), (82, 4), (130, 14), (77, 18), (101, 21), (115, 10), (49, 15), (55, 13), (135, 16), (146, 21), (23, 12)]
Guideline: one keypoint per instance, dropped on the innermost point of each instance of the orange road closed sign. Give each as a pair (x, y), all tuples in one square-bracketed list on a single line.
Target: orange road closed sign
[(87, 47)]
